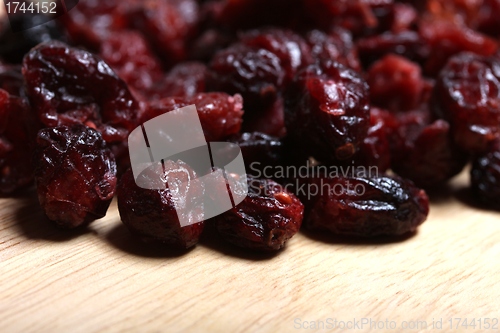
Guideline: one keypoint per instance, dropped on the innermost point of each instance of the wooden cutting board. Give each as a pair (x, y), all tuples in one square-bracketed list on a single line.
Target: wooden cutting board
[(101, 280)]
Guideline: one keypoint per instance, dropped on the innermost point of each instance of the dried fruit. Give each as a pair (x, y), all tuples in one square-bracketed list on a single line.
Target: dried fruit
[(485, 175), (220, 114), (151, 214), (366, 206), (11, 79), (327, 112), (267, 218), (75, 174), (467, 95), (18, 129), (66, 85)]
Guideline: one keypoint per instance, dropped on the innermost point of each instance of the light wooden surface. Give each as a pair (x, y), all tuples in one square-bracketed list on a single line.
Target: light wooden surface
[(101, 280)]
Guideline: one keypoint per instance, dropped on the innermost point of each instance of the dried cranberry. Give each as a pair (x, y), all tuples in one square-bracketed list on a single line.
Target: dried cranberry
[(151, 214), (75, 174), (395, 83), (327, 112), (260, 151), (291, 49), (447, 39), (220, 114), (168, 25), (366, 206), (183, 80), (337, 45), (467, 95), (406, 43), (264, 220), (129, 55), (17, 137), (485, 175), (256, 74), (426, 154), (68, 85)]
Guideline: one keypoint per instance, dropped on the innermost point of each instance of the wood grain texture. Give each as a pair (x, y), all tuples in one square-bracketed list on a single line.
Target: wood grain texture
[(101, 280)]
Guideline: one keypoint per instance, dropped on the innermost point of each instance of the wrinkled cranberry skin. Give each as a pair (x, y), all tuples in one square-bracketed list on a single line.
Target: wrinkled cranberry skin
[(259, 151), (183, 80), (291, 49), (446, 40), (383, 206), (396, 83), (129, 55), (467, 95), (267, 218), (168, 25), (327, 112), (485, 176), (220, 114), (66, 85), (18, 129), (75, 174), (337, 45), (427, 155), (256, 74), (151, 214)]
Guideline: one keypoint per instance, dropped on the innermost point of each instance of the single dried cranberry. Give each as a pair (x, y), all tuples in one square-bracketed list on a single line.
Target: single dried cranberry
[(408, 44), (337, 45), (151, 214), (18, 129), (66, 85), (75, 174), (183, 80), (267, 218), (426, 154), (366, 206), (256, 74), (467, 95), (168, 24), (396, 83), (291, 49), (447, 39), (129, 55), (327, 112), (271, 121), (485, 175), (259, 151), (220, 114)]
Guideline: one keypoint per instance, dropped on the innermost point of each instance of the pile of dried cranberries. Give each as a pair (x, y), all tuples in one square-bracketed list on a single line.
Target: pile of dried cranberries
[(305, 87)]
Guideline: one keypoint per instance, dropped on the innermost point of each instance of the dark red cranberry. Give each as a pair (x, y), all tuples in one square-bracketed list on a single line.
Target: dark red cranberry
[(168, 25), (485, 175), (447, 39), (366, 206), (267, 218), (260, 151), (337, 45), (290, 48), (129, 55), (66, 85), (426, 154), (183, 80), (220, 114), (256, 74), (408, 44), (327, 112), (151, 215), (396, 83), (271, 121), (18, 129), (75, 174), (11, 79), (467, 95)]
